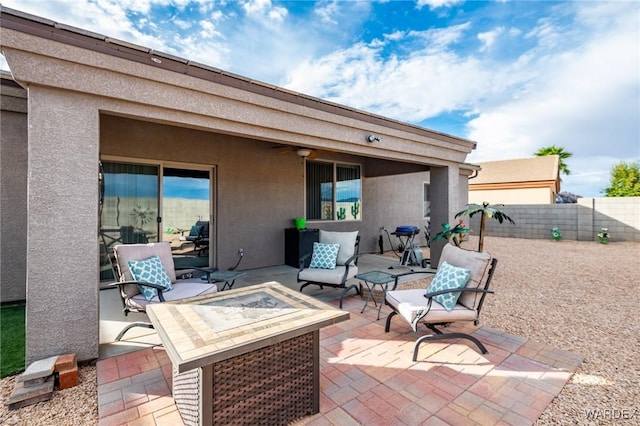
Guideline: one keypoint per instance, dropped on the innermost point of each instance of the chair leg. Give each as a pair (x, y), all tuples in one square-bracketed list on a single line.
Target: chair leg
[(443, 336), (387, 326), (303, 286), (346, 290), (130, 326)]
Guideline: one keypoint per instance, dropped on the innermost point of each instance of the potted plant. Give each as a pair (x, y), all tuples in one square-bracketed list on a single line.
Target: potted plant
[(486, 210), (603, 236)]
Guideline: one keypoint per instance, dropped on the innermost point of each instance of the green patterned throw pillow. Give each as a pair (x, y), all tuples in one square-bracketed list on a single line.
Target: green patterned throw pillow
[(324, 256), (449, 277), (150, 271)]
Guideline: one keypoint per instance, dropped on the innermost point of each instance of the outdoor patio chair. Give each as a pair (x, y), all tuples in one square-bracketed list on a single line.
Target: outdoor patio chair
[(455, 294), (334, 260), (155, 279), (199, 236)]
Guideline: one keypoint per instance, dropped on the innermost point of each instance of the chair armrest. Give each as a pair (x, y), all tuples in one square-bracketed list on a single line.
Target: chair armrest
[(397, 276), (158, 287), (205, 271), (352, 259), (302, 260), (475, 290)]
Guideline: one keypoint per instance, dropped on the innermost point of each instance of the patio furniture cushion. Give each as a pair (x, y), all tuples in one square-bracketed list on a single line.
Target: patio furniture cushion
[(324, 256), (181, 290), (347, 241), (195, 231), (127, 252), (334, 277), (409, 303), (151, 271), (477, 263), (448, 277)]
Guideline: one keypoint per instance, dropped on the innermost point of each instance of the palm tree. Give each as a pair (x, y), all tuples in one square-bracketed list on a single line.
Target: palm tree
[(485, 210), (560, 152)]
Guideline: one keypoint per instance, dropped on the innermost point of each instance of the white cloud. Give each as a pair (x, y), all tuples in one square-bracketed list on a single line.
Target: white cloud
[(328, 11), (264, 9), (489, 38), (435, 4), (440, 38)]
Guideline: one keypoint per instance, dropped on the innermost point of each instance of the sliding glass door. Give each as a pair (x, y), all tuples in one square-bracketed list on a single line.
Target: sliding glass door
[(186, 217), (143, 203)]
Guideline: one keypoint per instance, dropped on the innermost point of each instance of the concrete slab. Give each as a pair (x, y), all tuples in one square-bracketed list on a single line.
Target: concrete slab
[(38, 369)]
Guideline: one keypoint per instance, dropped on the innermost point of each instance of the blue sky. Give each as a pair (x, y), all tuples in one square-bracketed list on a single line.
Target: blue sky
[(514, 76)]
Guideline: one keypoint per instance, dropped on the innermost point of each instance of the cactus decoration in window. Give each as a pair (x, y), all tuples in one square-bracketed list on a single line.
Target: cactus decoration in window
[(355, 210)]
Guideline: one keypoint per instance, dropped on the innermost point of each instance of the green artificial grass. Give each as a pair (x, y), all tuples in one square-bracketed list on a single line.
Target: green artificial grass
[(12, 339)]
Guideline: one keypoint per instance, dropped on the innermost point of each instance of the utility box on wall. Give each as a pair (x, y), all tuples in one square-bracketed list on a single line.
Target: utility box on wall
[(297, 243)]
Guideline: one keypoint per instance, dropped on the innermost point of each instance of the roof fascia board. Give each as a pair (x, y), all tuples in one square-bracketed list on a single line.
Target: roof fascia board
[(512, 185)]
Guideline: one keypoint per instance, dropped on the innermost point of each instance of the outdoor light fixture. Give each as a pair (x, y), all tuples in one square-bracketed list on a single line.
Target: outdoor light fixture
[(303, 152), (374, 138)]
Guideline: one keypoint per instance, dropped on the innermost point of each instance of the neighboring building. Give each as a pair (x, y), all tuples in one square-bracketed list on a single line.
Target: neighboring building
[(148, 118), (534, 180)]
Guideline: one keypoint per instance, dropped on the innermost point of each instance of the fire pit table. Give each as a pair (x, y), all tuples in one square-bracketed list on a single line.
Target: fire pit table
[(245, 356)]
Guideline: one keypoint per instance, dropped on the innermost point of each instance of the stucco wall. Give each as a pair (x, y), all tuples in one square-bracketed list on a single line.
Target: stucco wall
[(581, 221), (13, 197), (512, 196), (62, 249)]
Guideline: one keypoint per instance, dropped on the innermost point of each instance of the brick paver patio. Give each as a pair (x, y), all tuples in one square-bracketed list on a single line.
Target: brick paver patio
[(367, 377)]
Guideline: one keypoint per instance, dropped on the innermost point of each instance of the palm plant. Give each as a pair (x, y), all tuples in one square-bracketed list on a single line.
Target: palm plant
[(560, 152), (486, 210), (454, 234)]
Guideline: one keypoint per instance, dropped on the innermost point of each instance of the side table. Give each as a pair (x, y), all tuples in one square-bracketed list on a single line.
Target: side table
[(373, 278)]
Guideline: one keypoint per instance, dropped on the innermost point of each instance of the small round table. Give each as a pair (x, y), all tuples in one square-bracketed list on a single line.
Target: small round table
[(373, 278)]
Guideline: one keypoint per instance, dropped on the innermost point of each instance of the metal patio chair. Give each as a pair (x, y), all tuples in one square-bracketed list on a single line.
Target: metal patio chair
[(417, 307), (131, 290), (345, 268)]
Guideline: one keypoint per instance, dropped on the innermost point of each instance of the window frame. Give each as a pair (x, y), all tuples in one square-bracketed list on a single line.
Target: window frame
[(334, 185)]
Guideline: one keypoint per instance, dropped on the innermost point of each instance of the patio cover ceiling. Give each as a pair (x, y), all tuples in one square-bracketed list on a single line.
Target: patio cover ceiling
[(159, 87)]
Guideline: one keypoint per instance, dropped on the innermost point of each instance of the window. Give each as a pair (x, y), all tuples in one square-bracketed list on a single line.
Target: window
[(333, 191), (426, 201)]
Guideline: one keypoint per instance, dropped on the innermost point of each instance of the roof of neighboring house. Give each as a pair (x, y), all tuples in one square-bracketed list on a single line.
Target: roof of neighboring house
[(521, 170)]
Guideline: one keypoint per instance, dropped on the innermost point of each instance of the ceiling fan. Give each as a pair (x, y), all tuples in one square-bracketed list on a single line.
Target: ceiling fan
[(301, 151)]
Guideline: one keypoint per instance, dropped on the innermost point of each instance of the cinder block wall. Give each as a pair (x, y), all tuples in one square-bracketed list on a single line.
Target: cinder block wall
[(581, 221)]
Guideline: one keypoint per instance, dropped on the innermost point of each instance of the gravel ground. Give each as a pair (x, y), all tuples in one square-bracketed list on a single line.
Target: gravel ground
[(578, 296)]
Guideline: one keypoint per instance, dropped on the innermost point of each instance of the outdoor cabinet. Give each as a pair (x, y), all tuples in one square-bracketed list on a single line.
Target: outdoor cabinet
[(297, 243)]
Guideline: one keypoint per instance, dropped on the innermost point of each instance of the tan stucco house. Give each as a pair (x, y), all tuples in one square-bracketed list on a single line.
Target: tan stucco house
[(534, 180), (76, 99)]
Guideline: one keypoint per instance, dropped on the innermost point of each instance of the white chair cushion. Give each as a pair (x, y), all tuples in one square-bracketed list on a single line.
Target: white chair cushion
[(472, 260), (181, 290), (408, 303), (328, 276), (347, 241)]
